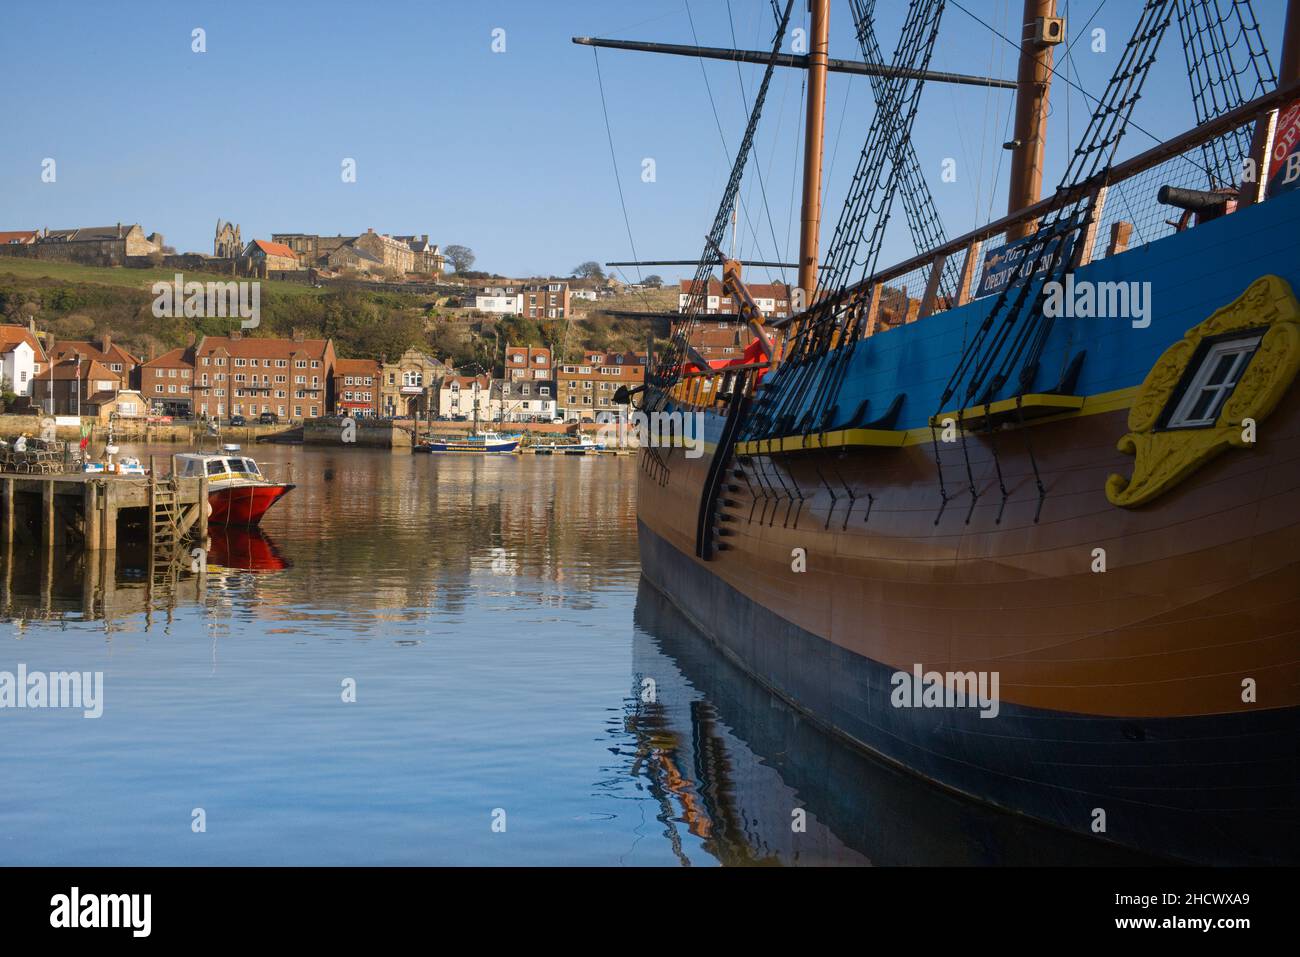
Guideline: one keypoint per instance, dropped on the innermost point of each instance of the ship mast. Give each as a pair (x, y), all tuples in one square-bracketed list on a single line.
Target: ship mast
[(810, 218), (1290, 71), (1033, 84)]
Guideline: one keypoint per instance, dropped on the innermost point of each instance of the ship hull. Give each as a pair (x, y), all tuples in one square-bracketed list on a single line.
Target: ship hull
[(1168, 786), (479, 447), (1146, 657), (244, 504)]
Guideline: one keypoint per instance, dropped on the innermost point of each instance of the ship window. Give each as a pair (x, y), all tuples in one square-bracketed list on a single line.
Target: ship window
[(216, 467), (235, 465), (1212, 382), (251, 467)]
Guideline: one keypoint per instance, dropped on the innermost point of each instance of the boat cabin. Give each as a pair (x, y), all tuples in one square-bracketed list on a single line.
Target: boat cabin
[(219, 467)]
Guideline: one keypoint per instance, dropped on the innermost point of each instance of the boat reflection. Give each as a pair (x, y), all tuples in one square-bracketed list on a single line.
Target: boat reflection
[(245, 549), (109, 585), (732, 766)]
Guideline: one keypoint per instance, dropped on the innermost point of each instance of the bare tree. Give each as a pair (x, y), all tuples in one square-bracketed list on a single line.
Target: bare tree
[(461, 258)]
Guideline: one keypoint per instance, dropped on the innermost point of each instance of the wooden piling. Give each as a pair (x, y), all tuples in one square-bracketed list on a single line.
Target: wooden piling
[(92, 524), (7, 508), (47, 515), (203, 509)]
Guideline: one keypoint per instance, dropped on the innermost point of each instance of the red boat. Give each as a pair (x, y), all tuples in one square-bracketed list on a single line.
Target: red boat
[(239, 494)]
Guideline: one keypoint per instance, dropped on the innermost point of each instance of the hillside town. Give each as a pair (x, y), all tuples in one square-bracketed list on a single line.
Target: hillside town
[(290, 380), (246, 376)]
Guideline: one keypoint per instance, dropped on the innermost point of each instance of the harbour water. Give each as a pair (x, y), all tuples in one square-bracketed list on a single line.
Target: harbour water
[(521, 697)]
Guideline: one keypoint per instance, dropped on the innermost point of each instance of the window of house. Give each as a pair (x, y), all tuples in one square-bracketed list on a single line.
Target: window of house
[(1212, 381)]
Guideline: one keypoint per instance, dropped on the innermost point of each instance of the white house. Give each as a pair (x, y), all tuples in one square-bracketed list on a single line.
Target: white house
[(21, 357), (458, 395), (499, 302), (18, 367), (523, 400)]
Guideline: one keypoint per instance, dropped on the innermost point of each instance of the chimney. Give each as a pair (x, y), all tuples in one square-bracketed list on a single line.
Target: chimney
[(119, 230), (107, 343), (424, 237), (236, 335)]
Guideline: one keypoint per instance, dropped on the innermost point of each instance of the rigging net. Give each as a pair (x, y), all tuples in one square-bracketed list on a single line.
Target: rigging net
[(829, 322), (1228, 65), (669, 368)]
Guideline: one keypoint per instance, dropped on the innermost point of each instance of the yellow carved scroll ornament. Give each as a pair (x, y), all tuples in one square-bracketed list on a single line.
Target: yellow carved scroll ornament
[(1165, 458)]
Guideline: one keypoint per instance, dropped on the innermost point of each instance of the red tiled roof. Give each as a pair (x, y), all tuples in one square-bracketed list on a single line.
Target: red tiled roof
[(355, 367), (759, 290), (275, 249), (263, 348), (67, 369), (175, 359), (22, 236), (11, 335), (89, 350)]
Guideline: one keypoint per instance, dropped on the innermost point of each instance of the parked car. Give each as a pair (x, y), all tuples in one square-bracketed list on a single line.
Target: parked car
[(268, 418), (237, 420)]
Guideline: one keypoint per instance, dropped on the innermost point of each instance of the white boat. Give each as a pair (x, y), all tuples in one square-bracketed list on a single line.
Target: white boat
[(584, 446), (473, 442)]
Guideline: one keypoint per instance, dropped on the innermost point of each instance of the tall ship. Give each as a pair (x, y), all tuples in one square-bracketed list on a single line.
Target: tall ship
[(1020, 515)]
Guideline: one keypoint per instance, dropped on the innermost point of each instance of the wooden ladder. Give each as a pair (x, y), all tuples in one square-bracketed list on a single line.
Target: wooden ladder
[(164, 517)]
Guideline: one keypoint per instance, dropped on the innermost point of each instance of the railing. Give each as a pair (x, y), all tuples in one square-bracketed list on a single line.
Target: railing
[(1127, 215)]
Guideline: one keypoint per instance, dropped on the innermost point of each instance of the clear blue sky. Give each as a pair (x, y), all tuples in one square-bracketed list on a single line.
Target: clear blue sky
[(503, 152)]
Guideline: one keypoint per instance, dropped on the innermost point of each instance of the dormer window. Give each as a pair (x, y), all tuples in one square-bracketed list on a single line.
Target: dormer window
[(1211, 382)]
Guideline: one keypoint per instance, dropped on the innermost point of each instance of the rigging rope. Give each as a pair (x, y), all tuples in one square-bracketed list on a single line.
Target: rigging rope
[(1012, 336), (669, 369), (830, 322)]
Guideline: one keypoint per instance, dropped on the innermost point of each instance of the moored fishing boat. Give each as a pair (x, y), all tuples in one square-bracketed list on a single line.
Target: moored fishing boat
[(476, 441), (1040, 554), (237, 491), (584, 446)]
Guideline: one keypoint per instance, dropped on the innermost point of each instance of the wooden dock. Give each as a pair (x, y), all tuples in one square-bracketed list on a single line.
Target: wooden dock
[(92, 510)]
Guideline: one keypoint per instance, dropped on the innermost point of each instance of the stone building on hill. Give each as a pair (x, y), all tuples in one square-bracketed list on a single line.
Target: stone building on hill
[(227, 243)]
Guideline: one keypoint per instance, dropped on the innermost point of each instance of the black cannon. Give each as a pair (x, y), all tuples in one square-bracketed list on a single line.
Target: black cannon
[(1204, 204)]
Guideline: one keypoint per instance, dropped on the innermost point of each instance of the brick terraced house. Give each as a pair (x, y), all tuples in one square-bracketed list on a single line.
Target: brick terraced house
[(167, 383), (586, 388), (237, 375), (356, 387)]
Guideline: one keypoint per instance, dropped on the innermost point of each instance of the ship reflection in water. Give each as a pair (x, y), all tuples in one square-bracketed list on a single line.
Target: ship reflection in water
[(732, 766), (491, 612)]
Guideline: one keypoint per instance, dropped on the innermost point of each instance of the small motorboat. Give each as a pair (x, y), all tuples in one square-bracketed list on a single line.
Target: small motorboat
[(237, 491), (128, 465), (584, 446), (488, 442)]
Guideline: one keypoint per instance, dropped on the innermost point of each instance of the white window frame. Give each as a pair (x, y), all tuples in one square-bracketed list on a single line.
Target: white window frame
[(1242, 347)]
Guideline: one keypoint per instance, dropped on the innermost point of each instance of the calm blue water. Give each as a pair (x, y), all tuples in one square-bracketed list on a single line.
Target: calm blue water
[(490, 612)]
